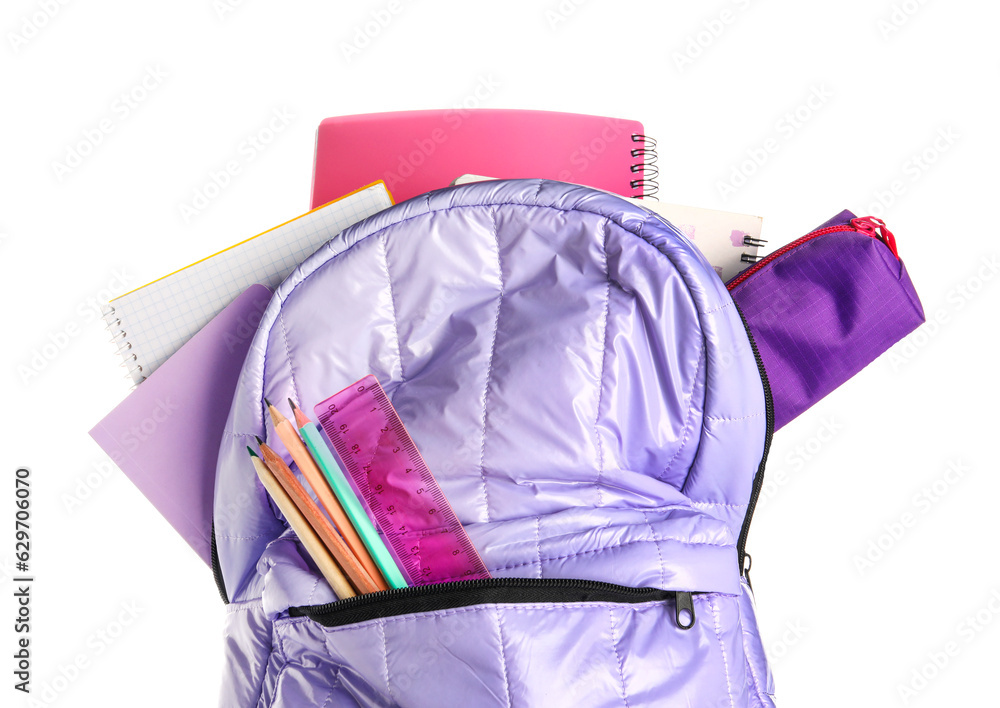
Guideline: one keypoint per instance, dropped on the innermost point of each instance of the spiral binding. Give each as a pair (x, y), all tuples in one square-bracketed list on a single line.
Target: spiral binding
[(749, 240), (113, 324), (648, 182)]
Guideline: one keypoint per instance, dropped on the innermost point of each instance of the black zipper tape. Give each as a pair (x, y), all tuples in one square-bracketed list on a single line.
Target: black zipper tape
[(758, 479), (220, 582), (465, 593)]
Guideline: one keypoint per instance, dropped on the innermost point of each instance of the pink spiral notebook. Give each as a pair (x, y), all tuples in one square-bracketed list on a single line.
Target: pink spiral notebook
[(417, 151)]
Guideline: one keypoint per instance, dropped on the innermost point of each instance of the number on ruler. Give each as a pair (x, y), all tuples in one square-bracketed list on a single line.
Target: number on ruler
[(379, 438)]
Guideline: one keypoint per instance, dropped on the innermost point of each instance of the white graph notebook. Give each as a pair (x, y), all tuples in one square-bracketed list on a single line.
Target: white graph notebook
[(150, 323)]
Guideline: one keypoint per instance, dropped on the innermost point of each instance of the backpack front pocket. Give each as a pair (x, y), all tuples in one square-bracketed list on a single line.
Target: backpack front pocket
[(618, 646), (671, 626)]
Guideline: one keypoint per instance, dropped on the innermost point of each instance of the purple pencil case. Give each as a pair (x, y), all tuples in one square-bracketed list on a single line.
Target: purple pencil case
[(824, 307)]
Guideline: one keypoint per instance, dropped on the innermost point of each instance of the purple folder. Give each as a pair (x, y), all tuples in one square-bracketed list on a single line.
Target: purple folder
[(165, 436)]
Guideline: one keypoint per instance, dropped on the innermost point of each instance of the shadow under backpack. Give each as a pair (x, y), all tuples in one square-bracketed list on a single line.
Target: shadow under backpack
[(584, 389)]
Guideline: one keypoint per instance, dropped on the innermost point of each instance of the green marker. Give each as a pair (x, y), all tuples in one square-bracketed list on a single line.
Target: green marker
[(313, 437)]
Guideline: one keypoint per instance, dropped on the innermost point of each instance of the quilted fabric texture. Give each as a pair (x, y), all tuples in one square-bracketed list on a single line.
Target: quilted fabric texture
[(582, 387)]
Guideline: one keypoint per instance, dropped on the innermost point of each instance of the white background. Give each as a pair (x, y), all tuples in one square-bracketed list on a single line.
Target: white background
[(896, 76)]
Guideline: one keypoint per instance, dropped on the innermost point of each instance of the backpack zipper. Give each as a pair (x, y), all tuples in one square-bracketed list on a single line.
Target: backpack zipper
[(868, 225), (758, 480), (220, 582), (465, 593), (863, 224)]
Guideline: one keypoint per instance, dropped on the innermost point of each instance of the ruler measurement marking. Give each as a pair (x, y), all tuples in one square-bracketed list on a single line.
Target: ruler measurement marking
[(433, 544)]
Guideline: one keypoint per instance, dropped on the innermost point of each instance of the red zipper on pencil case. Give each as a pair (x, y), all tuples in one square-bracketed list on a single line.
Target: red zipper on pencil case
[(863, 224)]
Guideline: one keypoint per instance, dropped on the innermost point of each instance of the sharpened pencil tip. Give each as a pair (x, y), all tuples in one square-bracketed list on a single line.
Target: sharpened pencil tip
[(259, 441), (250, 450), (301, 418), (276, 416)]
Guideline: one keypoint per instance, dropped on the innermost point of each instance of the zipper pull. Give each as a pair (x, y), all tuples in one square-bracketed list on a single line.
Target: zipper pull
[(876, 228), (747, 564), (684, 609)]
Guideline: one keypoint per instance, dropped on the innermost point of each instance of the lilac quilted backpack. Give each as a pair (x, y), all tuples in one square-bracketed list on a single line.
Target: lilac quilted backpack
[(585, 390)]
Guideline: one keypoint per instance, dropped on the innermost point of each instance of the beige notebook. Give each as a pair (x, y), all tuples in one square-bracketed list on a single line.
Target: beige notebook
[(728, 240)]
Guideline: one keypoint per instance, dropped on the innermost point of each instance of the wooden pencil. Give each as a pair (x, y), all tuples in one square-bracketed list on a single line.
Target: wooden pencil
[(327, 499), (313, 545), (312, 436), (357, 574)]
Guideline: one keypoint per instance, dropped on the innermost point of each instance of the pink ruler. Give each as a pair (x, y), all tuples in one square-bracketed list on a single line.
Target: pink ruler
[(408, 505)]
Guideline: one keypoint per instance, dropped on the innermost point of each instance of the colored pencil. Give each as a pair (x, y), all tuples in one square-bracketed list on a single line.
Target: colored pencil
[(313, 545), (348, 562), (324, 458), (307, 466)]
